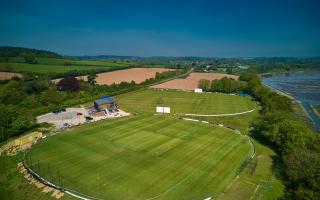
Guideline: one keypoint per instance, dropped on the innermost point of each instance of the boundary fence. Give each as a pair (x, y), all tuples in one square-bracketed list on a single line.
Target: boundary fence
[(58, 187)]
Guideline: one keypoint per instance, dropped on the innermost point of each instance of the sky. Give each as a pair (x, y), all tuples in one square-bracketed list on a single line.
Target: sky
[(207, 28)]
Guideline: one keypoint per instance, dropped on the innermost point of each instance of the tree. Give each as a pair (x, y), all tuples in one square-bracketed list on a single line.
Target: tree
[(271, 101), (204, 84), (30, 59), (229, 70), (227, 85), (50, 96), (292, 134), (92, 78), (12, 122), (38, 86), (303, 172), (266, 124), (286, 133), (12, 93), (247, 76), (69, 84)]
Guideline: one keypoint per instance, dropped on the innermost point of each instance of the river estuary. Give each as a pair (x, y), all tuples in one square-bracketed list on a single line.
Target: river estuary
[(303, 86)]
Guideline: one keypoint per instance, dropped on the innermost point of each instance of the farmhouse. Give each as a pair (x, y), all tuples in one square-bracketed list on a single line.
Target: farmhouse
[(105, 103)]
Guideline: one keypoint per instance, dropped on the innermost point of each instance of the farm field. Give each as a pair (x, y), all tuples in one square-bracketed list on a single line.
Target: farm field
[(42, 68), (127, 75), (9, 75), (60, 65), (143, 157), (63, 61), (191, 82), (184, 102)]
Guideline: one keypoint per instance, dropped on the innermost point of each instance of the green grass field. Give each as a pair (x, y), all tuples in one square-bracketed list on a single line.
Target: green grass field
[(184, 102), (15, 186), (42, 68), (63, 61), (143, 157), (58, 65), (240, 122)]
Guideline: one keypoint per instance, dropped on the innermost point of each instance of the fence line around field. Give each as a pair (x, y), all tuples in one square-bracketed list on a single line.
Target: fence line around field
[(62, 189), (220, 115)]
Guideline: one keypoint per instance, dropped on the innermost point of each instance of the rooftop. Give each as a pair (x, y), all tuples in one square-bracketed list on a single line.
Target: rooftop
[(107, 100)]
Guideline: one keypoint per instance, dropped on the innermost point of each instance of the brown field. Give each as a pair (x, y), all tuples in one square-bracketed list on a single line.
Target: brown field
[(9, 75), (134, 74), (191, 82)]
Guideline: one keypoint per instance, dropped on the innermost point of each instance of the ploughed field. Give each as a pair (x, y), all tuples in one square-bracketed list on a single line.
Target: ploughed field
[(191, 82), (184, 102), (9, 75), (142, 157), (137, 75)]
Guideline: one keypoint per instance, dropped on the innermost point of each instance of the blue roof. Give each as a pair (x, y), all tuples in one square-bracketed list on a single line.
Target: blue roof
[(105, 101)]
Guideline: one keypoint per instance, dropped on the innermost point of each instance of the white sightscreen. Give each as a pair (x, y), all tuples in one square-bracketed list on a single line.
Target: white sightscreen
[(159, 109), (198, 90), (166, 109)]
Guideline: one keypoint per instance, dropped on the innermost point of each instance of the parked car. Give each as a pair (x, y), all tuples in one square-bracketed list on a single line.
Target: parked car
[(56, 111), (66, 125), (89, 119)]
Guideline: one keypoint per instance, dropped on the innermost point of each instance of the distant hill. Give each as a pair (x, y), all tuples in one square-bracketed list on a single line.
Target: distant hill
[(21, 52), (106, 57)]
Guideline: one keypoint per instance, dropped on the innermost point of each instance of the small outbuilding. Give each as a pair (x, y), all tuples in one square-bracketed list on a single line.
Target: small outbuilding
[(105, 103)]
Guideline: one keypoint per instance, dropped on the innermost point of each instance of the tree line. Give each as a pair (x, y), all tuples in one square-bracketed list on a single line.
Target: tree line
[(23, 99), (297, 145), (225, 85), (22, 52)]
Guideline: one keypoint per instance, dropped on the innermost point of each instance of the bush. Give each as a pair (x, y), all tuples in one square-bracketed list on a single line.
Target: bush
[(12, 122)]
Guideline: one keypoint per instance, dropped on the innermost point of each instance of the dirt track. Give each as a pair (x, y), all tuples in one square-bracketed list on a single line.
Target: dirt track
[(191, 82), (134, 74), (9, 75)]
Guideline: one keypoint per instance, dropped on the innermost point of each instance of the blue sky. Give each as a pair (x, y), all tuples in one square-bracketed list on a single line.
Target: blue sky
[(226, 28)]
